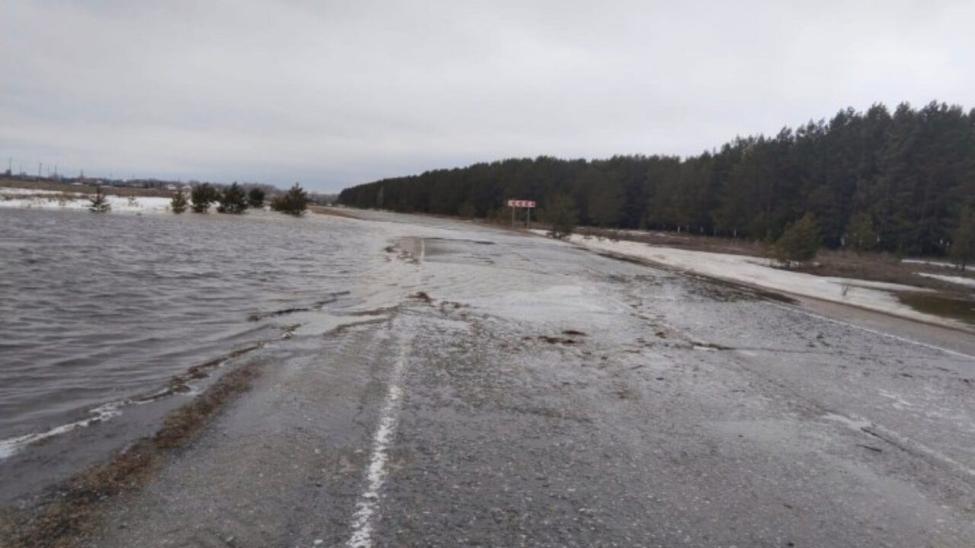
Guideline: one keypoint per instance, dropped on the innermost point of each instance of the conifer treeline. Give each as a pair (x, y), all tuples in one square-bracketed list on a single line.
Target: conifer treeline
[(909, 173)]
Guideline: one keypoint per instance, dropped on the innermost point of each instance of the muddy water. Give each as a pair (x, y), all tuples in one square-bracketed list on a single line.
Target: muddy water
[(98, 309)]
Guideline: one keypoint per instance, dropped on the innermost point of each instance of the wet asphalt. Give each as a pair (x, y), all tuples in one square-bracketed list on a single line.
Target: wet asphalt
[(536, 394)]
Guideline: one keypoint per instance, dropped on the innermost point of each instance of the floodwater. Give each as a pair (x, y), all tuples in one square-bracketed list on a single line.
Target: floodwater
[(98, 310)]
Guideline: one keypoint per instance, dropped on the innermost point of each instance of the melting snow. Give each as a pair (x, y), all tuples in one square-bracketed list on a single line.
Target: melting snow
[(757, 271), (970, 282), (45, 199)]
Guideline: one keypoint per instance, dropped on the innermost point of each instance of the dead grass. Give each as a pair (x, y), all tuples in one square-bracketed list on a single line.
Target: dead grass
[(713, 244), (72, 512), (879, 267)]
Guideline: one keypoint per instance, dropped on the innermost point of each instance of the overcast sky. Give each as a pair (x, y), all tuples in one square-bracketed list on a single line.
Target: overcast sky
[(337, 93)]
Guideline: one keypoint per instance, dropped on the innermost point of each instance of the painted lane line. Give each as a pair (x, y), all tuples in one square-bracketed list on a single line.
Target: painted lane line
[(363, 521), (904, 443), (875, 331)]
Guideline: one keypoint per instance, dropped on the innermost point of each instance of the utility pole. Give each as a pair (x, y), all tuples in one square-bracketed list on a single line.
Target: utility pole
[(40, 166)]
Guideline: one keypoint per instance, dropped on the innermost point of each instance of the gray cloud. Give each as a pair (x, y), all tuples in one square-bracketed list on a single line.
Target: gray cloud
[(334, 93)]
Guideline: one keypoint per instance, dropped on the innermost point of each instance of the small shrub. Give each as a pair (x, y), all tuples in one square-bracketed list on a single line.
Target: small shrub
[(294, 202), (178, 203), (232, 200), (962, 249), (467, 210), (202, 196), (99, 202), (799, 243), (861, 234), (561, 214), (255, 198)]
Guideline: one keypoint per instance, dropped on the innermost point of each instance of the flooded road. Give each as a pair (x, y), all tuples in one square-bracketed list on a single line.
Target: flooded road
[(479, 386), (97, 309)]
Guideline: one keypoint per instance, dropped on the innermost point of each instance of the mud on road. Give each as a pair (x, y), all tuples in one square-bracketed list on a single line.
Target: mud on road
[(528, 392)]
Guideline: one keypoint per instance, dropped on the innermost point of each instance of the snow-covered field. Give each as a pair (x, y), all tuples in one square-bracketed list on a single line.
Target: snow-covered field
[(25, 198), (4, 191), (757, 271)]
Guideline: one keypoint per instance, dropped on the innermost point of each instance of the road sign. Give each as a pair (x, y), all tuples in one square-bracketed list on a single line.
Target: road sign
[(527, 205)]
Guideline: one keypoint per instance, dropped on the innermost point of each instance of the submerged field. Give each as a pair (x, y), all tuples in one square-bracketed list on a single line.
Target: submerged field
[(102, 313)]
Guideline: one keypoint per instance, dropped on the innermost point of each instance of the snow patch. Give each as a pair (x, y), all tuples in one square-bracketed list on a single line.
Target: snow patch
[(757, 271), (968, 282), (5, 191), (928, 262), (79, 202)]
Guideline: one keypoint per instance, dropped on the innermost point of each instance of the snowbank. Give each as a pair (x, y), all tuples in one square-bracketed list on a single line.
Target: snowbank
[(757, 271)]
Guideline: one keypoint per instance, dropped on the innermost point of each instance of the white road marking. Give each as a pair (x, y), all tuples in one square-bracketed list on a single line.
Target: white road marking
[(875, 332), (861, 424), (364, 518)]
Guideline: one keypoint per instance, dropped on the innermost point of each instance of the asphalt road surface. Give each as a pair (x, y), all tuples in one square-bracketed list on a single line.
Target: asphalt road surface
[(498, 389)]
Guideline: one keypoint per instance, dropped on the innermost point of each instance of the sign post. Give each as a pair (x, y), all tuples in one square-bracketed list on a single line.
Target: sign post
[(527, 205)]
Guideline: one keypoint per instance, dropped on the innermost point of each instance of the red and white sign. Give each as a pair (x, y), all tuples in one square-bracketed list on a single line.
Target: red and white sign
[(521, 203)]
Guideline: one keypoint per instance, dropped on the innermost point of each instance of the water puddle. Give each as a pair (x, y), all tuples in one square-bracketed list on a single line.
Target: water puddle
[(939, 305)]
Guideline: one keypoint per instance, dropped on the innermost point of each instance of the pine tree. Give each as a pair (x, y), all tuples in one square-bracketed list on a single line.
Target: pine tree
[(99, 202), (799, 243), (860, 233), (178, 203), (605, 200), (467, 210), (255, 198), (294, 202), (202, 196), (232, 200), (907, 169), (561, 214), (963, 241)]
